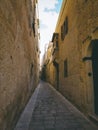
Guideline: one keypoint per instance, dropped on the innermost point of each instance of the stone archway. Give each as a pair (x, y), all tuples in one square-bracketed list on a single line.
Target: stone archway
[(91, 65), (88, 76)]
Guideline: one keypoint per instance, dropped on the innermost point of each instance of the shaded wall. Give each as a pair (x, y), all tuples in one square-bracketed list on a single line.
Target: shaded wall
[(18, 59)]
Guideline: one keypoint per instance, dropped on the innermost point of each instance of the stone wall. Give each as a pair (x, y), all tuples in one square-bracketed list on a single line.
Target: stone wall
[(77, 85), (82, 21), (18, 59)]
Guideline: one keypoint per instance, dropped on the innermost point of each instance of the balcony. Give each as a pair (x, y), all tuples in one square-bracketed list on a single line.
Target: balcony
[(55, 50)]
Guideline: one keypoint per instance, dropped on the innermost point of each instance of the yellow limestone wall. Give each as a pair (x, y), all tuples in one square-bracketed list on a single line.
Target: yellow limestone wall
[(18, 59)]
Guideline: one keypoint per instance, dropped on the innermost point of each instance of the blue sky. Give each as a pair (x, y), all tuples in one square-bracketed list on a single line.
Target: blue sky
[(48, 15), (58, 6)]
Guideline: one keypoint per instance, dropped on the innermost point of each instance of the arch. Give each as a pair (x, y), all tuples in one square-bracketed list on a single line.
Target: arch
[(91, 67), (89, 77)]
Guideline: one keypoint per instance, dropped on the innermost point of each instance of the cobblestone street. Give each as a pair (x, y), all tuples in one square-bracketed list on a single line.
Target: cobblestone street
[(49, 110)]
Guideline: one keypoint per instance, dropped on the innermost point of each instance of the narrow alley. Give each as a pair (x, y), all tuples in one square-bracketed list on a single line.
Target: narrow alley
[(48, 64), (49, 110)]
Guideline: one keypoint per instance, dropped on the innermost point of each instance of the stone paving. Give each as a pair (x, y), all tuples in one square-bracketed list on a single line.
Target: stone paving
[(51, 111)]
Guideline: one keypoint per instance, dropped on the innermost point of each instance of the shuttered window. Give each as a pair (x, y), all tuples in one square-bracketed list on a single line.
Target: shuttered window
[(64, 28)]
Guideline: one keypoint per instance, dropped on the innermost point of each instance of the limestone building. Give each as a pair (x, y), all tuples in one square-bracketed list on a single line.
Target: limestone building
[(19, 58), (50, 64), (76, 59), (46, 63)]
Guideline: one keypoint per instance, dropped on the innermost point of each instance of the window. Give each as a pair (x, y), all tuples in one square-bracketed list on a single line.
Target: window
[(62, 36), (65, 69), (33, 27), (64, 28)]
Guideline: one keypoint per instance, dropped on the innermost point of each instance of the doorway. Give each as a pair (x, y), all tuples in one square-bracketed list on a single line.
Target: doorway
[(57, 76), (95, 73)]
